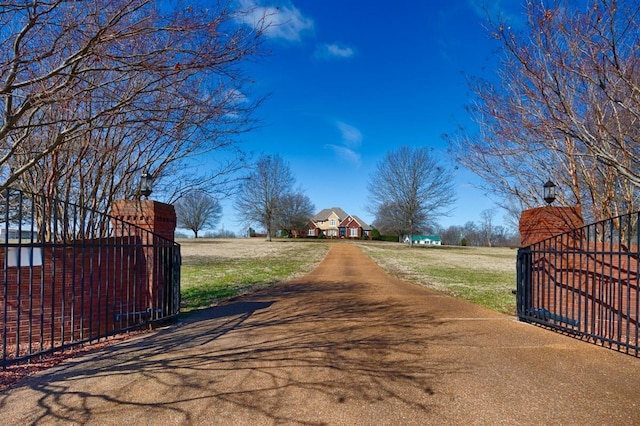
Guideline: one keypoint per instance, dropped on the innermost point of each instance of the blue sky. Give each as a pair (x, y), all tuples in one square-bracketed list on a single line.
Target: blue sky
[(349, 81)]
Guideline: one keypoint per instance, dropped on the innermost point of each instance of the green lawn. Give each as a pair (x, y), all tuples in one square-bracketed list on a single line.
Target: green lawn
[(215, 271)]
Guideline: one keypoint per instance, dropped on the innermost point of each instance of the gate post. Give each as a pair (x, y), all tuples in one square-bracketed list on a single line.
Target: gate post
[(544, 222), (154, 216), (544, 259), (159, 219)]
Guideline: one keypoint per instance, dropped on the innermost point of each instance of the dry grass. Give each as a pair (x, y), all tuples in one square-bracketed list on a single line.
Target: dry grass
[(235, 248), (482, 275), (215, 270), (398, 255)]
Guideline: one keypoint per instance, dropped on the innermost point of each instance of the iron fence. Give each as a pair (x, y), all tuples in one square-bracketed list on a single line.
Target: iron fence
[(585, 283), (72, 275)]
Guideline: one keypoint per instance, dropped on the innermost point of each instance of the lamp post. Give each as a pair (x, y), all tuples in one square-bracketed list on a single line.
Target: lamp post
[(549, 192), (146, 180)]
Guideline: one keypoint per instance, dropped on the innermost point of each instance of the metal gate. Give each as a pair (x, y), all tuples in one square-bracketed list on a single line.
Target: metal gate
[(72, 275), (585, 283)]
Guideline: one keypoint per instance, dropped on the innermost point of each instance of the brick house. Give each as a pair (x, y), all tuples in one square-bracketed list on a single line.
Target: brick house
[(336, 223), (327, 222), (354, 227)]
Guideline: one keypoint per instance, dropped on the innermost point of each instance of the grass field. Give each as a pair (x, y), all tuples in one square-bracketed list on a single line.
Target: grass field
[(482, 275), (215, 270)]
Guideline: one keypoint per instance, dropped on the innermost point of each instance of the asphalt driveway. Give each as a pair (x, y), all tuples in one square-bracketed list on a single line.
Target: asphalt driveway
[(344, 345)]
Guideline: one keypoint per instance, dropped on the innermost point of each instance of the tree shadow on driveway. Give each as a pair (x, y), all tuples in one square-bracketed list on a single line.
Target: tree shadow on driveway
[(304, 353)]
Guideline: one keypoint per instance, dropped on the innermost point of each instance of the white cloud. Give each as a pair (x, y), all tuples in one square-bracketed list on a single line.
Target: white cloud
[(351, 140), (236, 97), (282, 22), (345, 153), (351, 136), (328, 51)]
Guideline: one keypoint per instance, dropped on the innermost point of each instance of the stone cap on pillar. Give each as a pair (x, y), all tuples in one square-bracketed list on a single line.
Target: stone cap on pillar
[(544, 222), (157, 217)]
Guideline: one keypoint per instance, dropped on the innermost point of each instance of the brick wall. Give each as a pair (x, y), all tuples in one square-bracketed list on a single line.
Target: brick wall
[(77, 292)]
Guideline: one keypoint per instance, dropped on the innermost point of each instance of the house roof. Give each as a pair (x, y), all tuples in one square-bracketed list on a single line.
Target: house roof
[(325, 213), (362, 223), (425, 237)]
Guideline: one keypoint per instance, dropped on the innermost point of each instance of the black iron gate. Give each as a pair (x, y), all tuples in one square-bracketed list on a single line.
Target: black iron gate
[(71, 275), (585, 283)]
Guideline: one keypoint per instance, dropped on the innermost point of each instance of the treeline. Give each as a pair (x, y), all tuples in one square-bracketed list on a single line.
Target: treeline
[(472, 234), (482, 233)]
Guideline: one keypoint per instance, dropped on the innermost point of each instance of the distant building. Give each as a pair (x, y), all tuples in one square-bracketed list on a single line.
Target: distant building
[(327, 222), (430, 240), (336, 223), (7, 235)]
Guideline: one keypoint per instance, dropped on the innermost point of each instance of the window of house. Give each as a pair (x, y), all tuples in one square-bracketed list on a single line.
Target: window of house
[(332, 222), (333, 233), (353, 232), (311, 233)]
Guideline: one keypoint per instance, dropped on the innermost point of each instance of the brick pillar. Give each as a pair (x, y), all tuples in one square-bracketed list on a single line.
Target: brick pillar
[(159, 218), (544, 222)]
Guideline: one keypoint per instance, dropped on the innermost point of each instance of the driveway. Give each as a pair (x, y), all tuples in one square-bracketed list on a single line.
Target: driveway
[(344, 345)]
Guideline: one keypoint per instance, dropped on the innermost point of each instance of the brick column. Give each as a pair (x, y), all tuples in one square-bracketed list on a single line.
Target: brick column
[(544, 222), (160, 219)]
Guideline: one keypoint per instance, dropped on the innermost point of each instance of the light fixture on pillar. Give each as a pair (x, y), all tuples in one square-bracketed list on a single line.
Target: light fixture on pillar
[(549, 193), (145, 184)]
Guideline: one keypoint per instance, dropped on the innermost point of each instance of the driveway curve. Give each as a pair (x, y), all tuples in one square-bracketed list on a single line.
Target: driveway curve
[(344, 345)]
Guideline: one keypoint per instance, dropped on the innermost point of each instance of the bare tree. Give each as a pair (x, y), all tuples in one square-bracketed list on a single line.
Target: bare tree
[(95, 92), (487, 227), (452, 235), (389, 219), (470, 234), (260, 195), (409, 190), (295, 211), (502, 237), (197, 210), (565, 106)]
